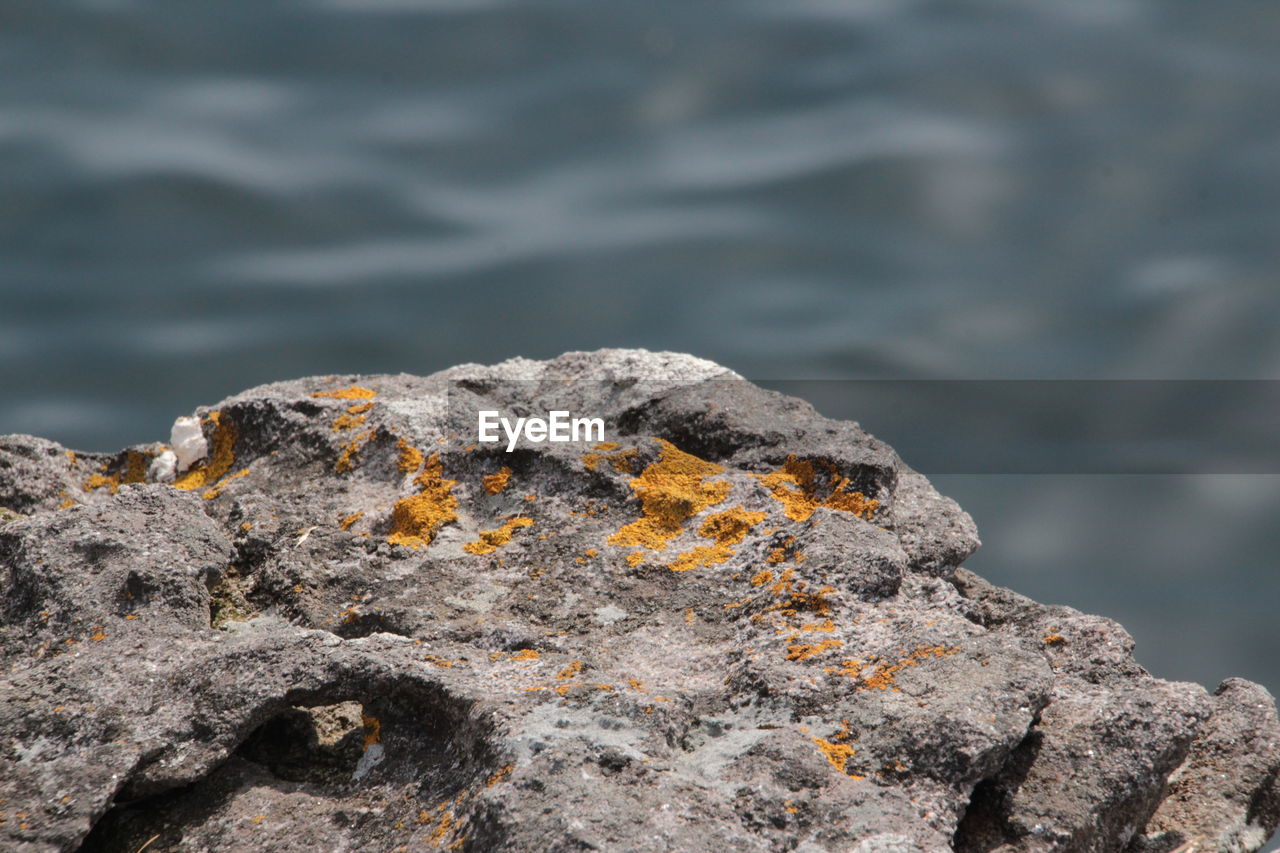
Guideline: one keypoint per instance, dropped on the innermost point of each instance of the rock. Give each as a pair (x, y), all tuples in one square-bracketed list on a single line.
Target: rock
[(733, 625)]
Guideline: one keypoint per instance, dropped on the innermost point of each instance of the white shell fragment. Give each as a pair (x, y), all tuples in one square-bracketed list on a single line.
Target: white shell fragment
[(163, 468), (187, 440)]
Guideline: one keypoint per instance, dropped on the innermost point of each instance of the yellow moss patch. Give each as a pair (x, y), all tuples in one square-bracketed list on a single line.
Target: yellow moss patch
[(219, 460), (352, 392), (727, 529), (671, 490), (495, 483), (346, 523), (491, 540), (415, 519), (795, 486)]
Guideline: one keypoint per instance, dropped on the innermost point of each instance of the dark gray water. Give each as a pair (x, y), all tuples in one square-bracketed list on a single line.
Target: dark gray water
[(196, 198)]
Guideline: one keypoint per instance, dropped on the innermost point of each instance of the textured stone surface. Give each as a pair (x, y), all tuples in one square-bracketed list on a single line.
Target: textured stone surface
[(738, 626)]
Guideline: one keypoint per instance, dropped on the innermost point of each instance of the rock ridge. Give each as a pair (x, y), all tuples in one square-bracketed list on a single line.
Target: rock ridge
[(733, 624)]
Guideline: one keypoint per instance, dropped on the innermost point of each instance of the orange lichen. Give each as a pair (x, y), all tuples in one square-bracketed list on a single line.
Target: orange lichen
[(348, 422), (490, 540), (359, 408), (67, 504), (415, 519), (793, 596), (221, 456), (884, 675), (671, 490), (372, 730), (571, 670), (607, 451), (135, 471), (98, 481), (499, 776), (411, 458), (353, 392), (1053, 639), (71, 457), (97, 636), (495, 483), (525, 654), (346, 523), (804, 651), (346, 459), (210, 494), (762, 577), (731, 526), (727, 529), (635, 558), (795, 486), (837, 753)]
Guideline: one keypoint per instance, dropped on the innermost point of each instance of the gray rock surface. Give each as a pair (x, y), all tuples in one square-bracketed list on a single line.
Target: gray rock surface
[(737, 625)]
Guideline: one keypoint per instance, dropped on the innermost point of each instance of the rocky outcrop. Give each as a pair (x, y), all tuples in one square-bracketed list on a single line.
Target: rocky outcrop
[(731, 625)]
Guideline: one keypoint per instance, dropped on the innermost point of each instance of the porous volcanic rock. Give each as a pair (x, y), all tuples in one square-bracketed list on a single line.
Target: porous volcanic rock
[(732, 625)]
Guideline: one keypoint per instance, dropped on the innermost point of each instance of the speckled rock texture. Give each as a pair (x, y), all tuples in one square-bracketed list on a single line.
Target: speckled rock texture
[(731, 625)]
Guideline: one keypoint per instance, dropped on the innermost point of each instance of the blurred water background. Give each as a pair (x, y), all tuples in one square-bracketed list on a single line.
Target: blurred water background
[(197, 198)]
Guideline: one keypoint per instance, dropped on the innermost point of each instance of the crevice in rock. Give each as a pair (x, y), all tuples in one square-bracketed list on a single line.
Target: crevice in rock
[(236, 596), (361, 771), (984, 826), (357, 625)]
